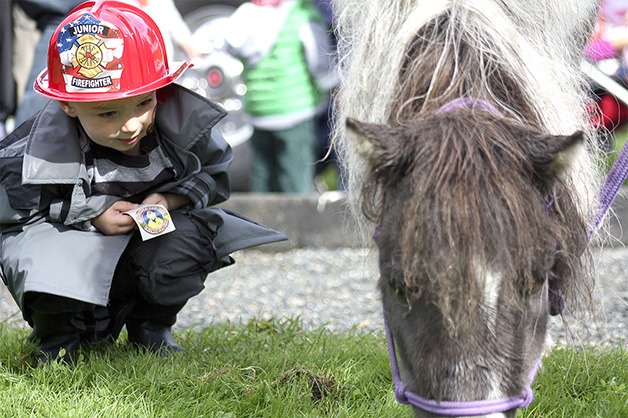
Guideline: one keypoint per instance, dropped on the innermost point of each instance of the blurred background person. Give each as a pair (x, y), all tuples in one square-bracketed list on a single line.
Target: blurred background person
[(610, 38), (608, 50), (328, 174), (288, 56), (7, 82), (46, 15), (25, 37)]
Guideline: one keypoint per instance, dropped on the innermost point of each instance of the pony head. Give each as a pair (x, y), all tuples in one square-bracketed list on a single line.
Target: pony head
[(481, 213), (475, 224)]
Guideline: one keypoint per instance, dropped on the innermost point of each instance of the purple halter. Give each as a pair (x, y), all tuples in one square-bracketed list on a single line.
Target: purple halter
[(607, 194), (469, 103)]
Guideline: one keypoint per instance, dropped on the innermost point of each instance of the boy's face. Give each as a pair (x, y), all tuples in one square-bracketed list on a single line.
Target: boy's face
[(119, 124)]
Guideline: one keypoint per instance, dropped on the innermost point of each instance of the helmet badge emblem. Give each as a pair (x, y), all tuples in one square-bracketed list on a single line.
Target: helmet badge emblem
[(91, 55)]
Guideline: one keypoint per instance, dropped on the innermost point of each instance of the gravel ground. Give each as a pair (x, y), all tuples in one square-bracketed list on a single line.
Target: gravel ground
[(336, 288)]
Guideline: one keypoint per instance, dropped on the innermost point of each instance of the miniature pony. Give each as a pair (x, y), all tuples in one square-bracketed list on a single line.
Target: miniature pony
[(470, 159)]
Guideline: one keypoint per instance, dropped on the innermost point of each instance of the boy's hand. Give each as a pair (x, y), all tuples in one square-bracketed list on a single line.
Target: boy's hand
[(170, 201), (157, 199), (113, 221)]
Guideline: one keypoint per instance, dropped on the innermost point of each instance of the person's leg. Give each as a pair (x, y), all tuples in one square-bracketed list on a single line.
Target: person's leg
[(26, 36), (296, 160), (123, 293), (167, 270), (150, 326), (262, 161), (31, 101), (56, 337)]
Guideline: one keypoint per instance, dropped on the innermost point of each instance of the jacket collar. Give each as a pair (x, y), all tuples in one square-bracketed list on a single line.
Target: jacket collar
[(53, 150), (184, 117)]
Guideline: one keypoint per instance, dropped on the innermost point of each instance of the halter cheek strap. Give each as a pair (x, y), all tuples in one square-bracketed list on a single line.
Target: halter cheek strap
[(614, 180)]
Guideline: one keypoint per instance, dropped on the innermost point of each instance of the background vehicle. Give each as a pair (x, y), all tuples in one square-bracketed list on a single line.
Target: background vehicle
[(217, 76)]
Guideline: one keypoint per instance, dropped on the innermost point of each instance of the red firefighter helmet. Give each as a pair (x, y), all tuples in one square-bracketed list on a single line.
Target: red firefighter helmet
[(105, 50)]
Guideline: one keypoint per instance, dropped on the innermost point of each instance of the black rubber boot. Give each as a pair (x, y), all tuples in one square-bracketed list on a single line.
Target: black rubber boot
[(150, 326), (153, 336), (55, 336)]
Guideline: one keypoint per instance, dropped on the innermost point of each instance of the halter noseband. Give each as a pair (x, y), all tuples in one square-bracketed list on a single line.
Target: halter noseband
[(606, 195), (453, 408)]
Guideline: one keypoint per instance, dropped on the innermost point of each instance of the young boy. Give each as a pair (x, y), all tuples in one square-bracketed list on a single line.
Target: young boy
[(118, 133)]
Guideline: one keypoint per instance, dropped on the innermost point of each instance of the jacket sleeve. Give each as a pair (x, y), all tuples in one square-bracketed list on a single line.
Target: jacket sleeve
[(19, 203), (69, 205), (186, 124), (49, 202)]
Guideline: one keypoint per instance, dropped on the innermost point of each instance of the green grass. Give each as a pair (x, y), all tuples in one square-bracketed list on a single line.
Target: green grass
[(582, 383), (271, 369)]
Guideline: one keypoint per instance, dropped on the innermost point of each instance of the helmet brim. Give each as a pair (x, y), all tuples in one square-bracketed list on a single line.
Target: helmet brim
[(41, 86)]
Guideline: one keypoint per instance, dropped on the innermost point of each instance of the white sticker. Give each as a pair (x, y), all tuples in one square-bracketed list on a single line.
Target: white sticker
[(152, 220)]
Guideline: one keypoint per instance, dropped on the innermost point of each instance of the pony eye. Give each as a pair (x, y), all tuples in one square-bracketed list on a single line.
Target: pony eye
[(397, 290), (400, 293)]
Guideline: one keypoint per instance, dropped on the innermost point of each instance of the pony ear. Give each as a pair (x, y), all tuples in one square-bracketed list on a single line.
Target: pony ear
[(552, 154), (376, 143)]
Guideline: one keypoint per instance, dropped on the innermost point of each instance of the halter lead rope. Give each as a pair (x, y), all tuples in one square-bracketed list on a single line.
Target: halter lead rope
[(606, 196), (614, 180), (619, 171)]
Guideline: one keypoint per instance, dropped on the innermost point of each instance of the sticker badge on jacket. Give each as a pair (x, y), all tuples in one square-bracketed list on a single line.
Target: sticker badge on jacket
[(91, 55), (152, 220)]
